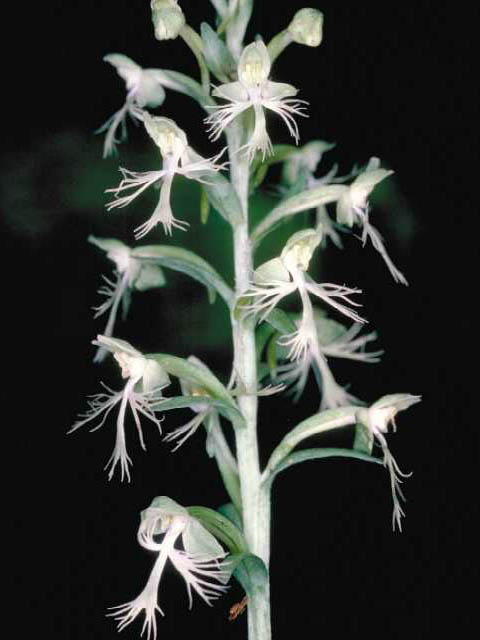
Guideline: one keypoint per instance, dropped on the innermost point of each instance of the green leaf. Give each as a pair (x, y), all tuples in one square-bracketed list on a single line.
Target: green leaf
[(272, 356), (280, 321), (309, 199), (363, 440), (262, 335), (187, 262), (194, 374), (204, 206), (223, 197), (251, 573), (231, 413), (184, 84), (259, 168), (217, 56), (196, 403), (317, 454), (318, 423), (221, 527), (217, 447), (230, 511)]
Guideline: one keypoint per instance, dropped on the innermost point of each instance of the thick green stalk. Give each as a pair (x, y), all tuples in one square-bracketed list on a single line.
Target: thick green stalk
[(255, 509)]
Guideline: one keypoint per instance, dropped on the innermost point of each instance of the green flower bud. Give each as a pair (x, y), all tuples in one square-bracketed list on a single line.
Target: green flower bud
[(307, 27), (168, 19)]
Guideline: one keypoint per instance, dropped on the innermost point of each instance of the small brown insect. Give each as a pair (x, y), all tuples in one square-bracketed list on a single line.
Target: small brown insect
[(237, 609)]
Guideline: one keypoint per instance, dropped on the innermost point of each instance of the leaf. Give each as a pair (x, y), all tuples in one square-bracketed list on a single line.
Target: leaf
[(230, 511), (187, 262), (317, 454), (280, 321), (262, 335), (196, 403), (309, 199), (272, 356), (203, 378), (221, 527), (251, 573), (260, 167), (318, 423), (217, 56), (204, 206), (363, 440), (192, 373), (183, 84), (223, 197)]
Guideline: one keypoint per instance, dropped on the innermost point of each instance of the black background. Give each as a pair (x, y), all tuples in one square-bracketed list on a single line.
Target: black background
[(389, 81)]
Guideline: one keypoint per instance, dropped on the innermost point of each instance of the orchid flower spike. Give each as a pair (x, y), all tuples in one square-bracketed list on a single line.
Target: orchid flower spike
[(328, 338), (143, 90), (352, 208), (198, 563), (178, 158), (377, 419), (254, 89), (131, 274), (145, 380)]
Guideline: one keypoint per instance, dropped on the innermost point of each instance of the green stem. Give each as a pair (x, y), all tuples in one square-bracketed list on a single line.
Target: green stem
[(255, 502), (194, 41), (278, 44)]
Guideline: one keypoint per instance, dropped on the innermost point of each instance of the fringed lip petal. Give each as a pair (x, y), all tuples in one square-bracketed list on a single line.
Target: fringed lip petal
[(202, 573)]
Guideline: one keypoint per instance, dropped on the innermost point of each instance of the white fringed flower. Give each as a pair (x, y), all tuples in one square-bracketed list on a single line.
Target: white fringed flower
[(278, 278), (198, 563), (130, 275), (254, 89), (143, 90), (142, 392), (326, 338), (299, 172), (377, 419), (352, 208), (281, 276), (178, 158)]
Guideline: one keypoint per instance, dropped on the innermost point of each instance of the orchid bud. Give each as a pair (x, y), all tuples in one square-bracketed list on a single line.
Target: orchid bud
[(307, 27), (168, 19)]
